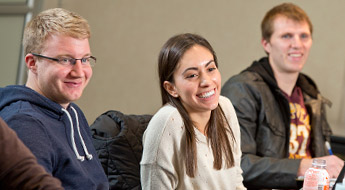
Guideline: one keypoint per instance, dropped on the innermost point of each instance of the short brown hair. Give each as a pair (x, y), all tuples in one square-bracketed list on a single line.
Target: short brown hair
[(289, 10), (53, 21)]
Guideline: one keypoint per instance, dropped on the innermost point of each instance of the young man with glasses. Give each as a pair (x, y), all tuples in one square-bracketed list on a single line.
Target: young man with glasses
[(281, 113), (59, 62)]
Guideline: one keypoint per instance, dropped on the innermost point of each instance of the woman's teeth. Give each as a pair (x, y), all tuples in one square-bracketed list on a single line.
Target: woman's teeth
[(206, 95)]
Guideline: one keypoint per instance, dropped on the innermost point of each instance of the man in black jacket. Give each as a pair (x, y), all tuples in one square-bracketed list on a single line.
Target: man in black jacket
[(280, 110)]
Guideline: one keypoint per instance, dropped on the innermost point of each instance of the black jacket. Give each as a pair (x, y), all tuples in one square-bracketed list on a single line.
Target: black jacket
[(118, 141), (264, 116)]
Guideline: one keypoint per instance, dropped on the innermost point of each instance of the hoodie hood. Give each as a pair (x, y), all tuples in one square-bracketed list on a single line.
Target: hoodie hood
[(59, 138), (264, 69), (15, 93)]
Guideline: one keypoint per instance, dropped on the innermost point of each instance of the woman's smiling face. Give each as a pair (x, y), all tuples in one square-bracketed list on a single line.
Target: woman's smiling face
[(197, 81)]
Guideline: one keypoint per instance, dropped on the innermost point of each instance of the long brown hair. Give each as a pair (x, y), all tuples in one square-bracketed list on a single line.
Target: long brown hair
[(217, 128)]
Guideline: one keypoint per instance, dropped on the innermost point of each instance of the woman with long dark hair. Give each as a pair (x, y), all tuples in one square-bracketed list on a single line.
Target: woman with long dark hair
[(193, 141)]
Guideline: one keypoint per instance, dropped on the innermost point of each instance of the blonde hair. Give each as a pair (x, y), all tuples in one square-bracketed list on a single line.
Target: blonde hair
[(50, 22)]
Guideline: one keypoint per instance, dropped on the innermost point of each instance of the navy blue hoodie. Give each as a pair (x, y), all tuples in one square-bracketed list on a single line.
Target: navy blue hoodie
[(59, 138)]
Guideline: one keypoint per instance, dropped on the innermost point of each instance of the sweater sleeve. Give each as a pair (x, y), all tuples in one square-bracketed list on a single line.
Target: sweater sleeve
[(161, 142), (18, 166)]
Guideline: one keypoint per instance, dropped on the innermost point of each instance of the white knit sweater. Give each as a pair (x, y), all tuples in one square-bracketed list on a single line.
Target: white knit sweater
[(163, 166)]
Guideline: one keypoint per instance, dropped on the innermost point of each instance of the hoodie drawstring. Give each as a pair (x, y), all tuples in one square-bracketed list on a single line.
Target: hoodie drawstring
[(81, 158), (88, 155)]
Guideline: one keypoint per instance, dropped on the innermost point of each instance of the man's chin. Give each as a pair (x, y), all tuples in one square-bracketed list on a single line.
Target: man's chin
[(73, 98)]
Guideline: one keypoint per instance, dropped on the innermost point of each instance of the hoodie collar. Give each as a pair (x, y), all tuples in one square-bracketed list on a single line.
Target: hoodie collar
[(263, 68), (15, 93)]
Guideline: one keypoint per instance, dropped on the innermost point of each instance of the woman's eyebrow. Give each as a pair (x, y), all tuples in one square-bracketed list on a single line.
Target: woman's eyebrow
[(209, 63), (195, 68)]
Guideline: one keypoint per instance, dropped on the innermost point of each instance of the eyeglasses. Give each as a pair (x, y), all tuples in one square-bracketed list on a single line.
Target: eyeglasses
[(66, 61)]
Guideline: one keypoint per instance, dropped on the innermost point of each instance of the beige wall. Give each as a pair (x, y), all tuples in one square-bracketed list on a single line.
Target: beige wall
[(10, 47), (127, 36)]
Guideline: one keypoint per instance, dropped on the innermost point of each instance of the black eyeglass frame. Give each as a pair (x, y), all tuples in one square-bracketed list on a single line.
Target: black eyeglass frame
[(61, 59)]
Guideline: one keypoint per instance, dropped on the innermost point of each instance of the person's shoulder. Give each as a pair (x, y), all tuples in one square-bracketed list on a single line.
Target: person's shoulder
[(26, 118), (164, 130), (166, 111), (20, 113), (224, 101), (28, 111), (230, 114), (166, 122), (25, 122), (166, 115), (32, 131), (245, 77), (245, 82), (226, 106)]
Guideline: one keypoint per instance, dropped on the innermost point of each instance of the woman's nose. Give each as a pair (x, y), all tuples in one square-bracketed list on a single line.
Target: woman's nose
[(205, 80)]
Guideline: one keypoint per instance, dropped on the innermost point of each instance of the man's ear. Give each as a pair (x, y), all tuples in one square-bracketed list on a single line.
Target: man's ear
[(266, 45), (31, 62), (170, 88)]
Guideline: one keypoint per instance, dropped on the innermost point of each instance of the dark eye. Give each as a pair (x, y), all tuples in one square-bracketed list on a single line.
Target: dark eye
[(192, 76), (212, 69)]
